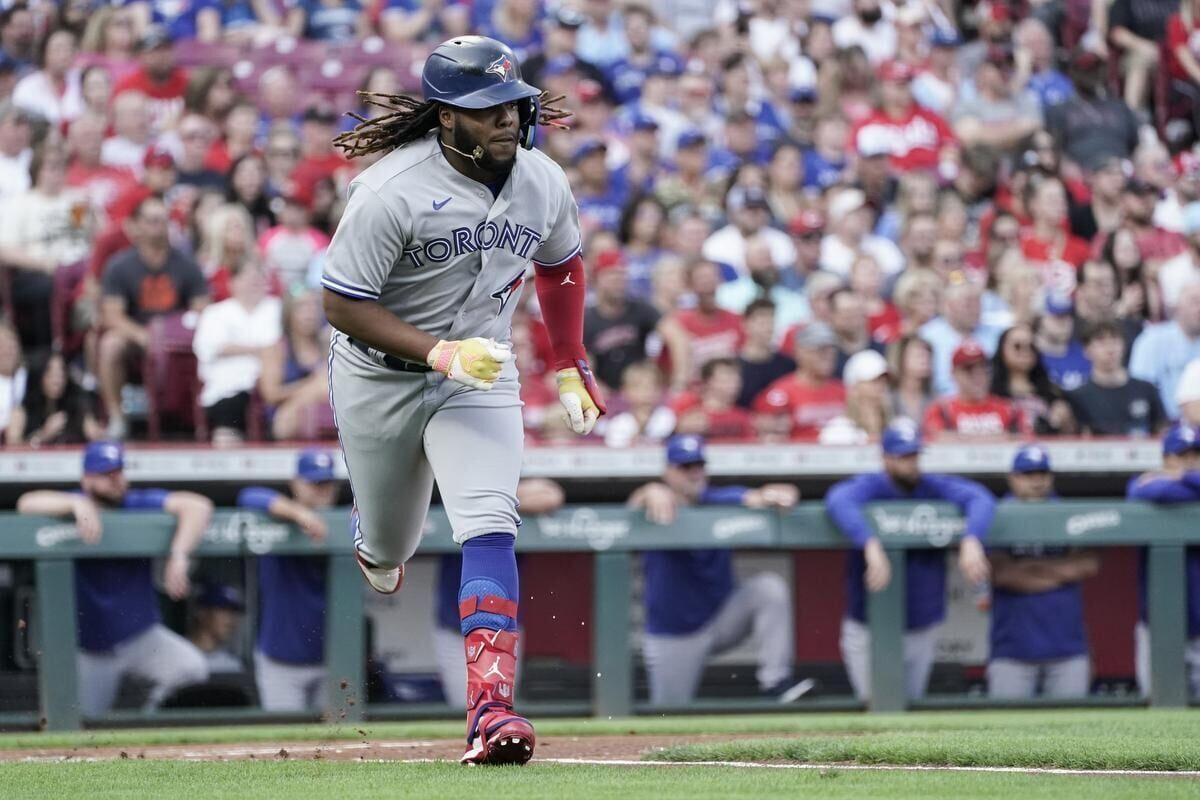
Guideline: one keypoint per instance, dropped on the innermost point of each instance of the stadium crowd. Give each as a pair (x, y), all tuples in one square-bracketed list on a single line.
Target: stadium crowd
[(802, 219)]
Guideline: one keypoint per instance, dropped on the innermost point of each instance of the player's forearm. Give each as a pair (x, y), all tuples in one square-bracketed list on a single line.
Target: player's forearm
[(372, 324), (561, 292), (46, 503), (286, 509), (193, 513)]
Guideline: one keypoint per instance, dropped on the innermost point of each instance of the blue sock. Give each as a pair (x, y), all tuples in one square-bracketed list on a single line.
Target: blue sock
[(489, 567)]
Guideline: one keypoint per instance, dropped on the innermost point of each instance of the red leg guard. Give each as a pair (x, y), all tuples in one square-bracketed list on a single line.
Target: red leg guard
[(495, 733)]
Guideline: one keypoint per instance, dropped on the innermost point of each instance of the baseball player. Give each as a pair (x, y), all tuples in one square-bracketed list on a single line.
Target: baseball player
[(120, 628), (868, 566), (289, 660), (421, 281), (1177, 482), (1037, 636), (694, 608)]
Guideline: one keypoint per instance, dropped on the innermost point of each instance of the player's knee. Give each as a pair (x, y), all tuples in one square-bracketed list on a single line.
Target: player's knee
[(771, 590), (190, 667)]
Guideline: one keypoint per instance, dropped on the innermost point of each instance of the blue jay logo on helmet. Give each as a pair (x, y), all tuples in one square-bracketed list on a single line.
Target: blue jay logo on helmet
[(503, 67)]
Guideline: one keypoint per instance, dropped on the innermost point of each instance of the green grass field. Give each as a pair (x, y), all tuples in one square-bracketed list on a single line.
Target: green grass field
[(1101, 739)]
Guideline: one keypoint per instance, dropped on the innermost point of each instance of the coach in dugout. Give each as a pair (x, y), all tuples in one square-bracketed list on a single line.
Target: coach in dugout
[(1037, 636), (694, 607), (868, 567), (289, 659), (1177, 482), (120, 628)]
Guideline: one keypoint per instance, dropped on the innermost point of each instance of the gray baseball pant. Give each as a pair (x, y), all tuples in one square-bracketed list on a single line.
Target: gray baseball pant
[(288, 687), (919, 651), (1141, 660), (400, 431), (1009, 678), (760, 606), (158, 655)]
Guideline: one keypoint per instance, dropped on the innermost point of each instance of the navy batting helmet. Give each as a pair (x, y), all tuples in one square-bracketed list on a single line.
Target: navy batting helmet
[(478, 72)]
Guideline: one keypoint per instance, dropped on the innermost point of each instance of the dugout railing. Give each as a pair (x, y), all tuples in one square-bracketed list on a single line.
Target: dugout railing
[(614, 535)]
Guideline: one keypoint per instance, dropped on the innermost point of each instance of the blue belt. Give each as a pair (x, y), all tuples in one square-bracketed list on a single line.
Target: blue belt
[(389, 361)]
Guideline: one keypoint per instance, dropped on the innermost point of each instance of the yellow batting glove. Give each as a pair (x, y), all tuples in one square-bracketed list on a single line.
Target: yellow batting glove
[(472, 362), (578, 393)]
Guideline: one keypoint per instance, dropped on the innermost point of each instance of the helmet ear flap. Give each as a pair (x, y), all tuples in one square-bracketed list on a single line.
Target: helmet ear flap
[(528, 111)]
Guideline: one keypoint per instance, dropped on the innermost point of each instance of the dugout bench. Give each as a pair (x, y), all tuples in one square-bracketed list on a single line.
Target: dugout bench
[(614, 535)]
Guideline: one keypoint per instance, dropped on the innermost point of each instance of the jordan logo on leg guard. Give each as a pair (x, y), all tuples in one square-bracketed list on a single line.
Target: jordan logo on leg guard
[(494, 669)]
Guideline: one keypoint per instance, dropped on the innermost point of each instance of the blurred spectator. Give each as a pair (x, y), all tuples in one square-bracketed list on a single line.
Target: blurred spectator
[(158, 78), (403, 21), (936, 85), (227, 244), (278, 89), (1177, 272), (750, 216), (1102, 213), (849, 233), (18, 34), (867, 27), (289, 248), (617, 329), (1059, 350), (216, 616), (281, 154), (868, 401), (16, 136), (696, 335), (1187, 394), (148, 279), (1140, 300), (1138, 204), (972, 412), (248, 187), (785, 174), (1136, 29), (1111, 403), (918, 234), (599, 195), (1038, 640), (327, 20), (916, 139), (197, 134), (293, 381), (916, 295), (1092, 126), (120, 626), (1046, 244), (41, 230), (825, 162), (86, 171), (1020, 374), (14, 377), (763, 280), (990, 112), (1096, 300), (55, 409), (868, 568), (95, 85), (231, 338), (1162, 350), (710, 410), (759, 361), (641, 230), (628, 74), (668, 284), (910, 365), (800, 404), (132, 133), (108, 41), (646, 420), (866, 281), (689, 183), (960, 320), (211, 93), (236, 22), (53, 92), (1036, 66), (318, 157), (848, 319), (719, 612), (807, 230)]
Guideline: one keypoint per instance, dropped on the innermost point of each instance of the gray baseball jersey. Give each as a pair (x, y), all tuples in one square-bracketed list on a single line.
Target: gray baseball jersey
[(440, 252)]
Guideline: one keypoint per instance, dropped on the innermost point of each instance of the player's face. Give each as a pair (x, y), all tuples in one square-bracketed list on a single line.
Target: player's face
[(688, 480), (322, 494), (107, 487), (904, 470), (1031, 485), (494, 129)]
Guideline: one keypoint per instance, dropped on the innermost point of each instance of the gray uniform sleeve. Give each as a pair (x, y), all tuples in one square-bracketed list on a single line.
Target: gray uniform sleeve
[(564, 240), (368, 243)]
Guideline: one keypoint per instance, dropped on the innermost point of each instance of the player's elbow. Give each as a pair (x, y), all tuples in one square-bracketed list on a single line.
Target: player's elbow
[(339, 309)]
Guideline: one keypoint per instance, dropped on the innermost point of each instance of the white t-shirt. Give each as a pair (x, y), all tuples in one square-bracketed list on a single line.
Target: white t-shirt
[(14, 173), (12, 393), (728, 246), (117, 151), (837, 257), (36, 94), (623, 430), (229, 322), (1174, 274), (58, 228)]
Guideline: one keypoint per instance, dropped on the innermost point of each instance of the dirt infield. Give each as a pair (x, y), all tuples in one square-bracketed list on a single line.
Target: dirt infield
[(627, 747)]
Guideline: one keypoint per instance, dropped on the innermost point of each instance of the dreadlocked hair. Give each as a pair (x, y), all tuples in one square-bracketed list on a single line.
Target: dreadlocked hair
[(407, 119)]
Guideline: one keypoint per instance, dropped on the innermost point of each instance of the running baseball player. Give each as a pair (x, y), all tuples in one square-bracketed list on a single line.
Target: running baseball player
[(925, 583), (421, 281)]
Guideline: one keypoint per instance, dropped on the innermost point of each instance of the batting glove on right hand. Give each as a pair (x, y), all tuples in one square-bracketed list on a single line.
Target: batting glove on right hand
[(472, 362), (580, 396)]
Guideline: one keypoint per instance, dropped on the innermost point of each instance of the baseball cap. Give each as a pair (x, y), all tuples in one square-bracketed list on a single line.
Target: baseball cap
[(609, 259), (806, 222), (865, 365), (685, 449), (844, 203), (690, 138), (315, 466), (587, 148), (158, 157), (569, 18), (897, 71), (220, 595), (156, 36), (901, 438), (1180, 438), (945, 37), (643, 122), (816, 334), (740, 197), (102, 457), (804, 94), (319, 113), (1059, 305), (560, 65), (967, 353), (1031, 458)]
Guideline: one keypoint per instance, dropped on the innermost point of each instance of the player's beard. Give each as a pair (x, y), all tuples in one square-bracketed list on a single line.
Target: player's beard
[(461, 140)]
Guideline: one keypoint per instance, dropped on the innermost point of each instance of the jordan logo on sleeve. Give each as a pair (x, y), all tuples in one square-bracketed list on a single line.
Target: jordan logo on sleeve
[(567, 281)]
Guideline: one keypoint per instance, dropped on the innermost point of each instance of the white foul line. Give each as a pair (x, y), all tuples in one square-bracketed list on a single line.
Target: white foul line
[(876, 767)]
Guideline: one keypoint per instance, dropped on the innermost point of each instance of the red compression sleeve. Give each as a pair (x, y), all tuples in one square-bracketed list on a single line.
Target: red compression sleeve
[(561, 291)]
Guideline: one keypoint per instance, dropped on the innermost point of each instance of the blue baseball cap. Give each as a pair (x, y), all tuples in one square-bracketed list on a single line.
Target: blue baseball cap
[(1059, 305), (901, 438), (1179, 438), (643, 122), (220, 595), (685, 449), (588, 148), (803, 94), (945, 37), (315, 466), (103, 457), (690, 138), (1031, 458)]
